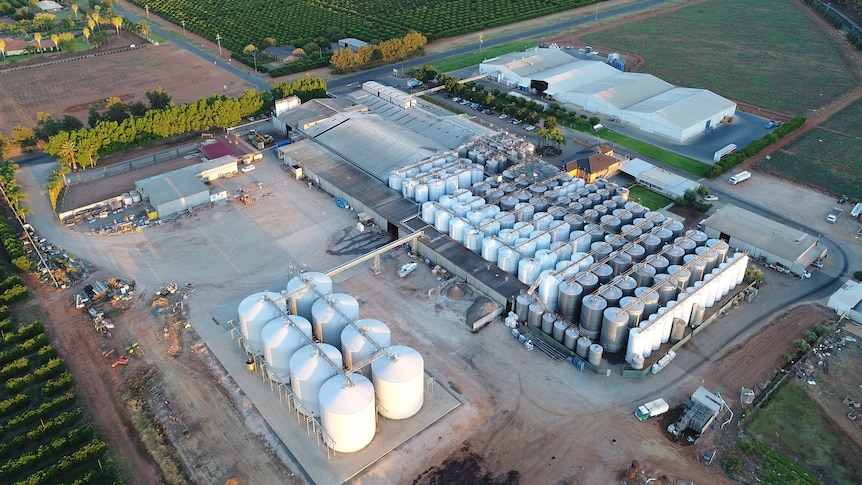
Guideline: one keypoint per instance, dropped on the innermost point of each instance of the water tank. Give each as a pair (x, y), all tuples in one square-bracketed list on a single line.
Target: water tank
[(570, 337), (429, 211), (534, 314), (592, 308), (635, 251), (673, 254), (603, 272), (667, 289), (548, 320), (559, 231), (659, 262), (582, 347), (474, 217), (651, 243), (697, 266), (524, 228), (637, 361), (697, 312), (650, 299), (528, 270), (699, 237), (549, 289), (396, 179), (522, 306), (681, 274), (358, 342), (644, 274), (615, 241), (559, 331), (664, 234), (507, 260), (677, 331), (614, 328), (490, 226), (308, 371), (507, 219), (348, 413), (524, 211), (581, 241), (282, 337), (595, 355), (329, 316), (634, 307), (399, 382), (747, 396), (626, 284), (542, 220), (508, 202), (721, 248), (635, 343), (547, 258), (589, 282), (255, 311), (685, 244), (525, 247), (436, 189), (600, 250), (458, 229), (539, 203), (675, 227), (569, 299), (421, 193), (303, 290), (620, 263), (508, 236), (611, 294), (656, 217), (595, 231), (562, 249), (541, 238), (473, 240)]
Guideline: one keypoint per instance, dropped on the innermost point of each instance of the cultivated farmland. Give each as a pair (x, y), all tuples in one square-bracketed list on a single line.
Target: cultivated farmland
[(766, 53), (829, 156), (251, 21)]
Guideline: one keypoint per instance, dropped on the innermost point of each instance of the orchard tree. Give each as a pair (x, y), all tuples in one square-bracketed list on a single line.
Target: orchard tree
[(158, 98)]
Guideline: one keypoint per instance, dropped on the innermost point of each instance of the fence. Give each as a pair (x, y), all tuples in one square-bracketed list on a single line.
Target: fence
[(848, 24), (128, 166)]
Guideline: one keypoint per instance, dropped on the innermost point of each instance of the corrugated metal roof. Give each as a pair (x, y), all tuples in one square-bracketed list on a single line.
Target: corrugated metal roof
[(771, 236), (683, 107), (525, 64), (171, 186)]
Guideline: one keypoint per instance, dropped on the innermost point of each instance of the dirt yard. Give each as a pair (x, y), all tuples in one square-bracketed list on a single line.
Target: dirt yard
[(69, 88)]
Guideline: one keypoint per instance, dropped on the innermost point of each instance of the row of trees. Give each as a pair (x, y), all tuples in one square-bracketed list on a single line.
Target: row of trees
[(755, 147), (372, 55)]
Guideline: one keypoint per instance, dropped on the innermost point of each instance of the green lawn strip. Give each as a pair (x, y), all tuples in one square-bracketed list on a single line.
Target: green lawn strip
[(767, 53), (675, 160), (471, 59), (648, 198), (798, 424)]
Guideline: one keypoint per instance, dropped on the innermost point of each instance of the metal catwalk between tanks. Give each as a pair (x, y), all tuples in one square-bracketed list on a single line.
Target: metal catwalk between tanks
[(304, 446)]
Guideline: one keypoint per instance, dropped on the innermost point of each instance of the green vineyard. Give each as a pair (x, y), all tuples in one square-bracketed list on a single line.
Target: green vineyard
[(298, 22)]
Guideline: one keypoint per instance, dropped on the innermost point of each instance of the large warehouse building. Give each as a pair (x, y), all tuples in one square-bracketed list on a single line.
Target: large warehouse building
[(640, 100)]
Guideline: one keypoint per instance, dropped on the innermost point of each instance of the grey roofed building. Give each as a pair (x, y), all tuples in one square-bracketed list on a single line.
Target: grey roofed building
[(174, 192), (373, 142), (49, 6), (351, 42), (847, 301), (280, 52), (764, 239), (315, 111), (640, 100), (658, 179)]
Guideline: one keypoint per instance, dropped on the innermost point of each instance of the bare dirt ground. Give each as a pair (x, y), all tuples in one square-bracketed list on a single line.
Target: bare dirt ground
[(66, 88)]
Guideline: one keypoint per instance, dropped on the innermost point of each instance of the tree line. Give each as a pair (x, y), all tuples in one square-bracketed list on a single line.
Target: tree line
[(372, 55)]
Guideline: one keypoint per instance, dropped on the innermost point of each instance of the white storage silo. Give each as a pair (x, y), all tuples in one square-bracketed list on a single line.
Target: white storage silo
[(329, 316), (347, 412), (255, 311), (282, 337), (358, 342), (399, 382), (303, 290), (308, 371)]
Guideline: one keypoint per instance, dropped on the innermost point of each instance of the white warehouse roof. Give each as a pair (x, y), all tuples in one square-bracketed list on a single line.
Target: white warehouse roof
[(658, 179), (846, 300), (641, 100)]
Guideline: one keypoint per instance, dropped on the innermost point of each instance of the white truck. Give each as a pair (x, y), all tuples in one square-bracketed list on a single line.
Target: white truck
[(738, 178), (857, 209), (651, 409), (833, 216)]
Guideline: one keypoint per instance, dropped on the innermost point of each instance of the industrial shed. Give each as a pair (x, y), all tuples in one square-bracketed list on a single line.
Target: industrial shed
[(657, 179), (215, 169), (594, 162), (173, 193), (847, 301), (639, 100), (764, 239)]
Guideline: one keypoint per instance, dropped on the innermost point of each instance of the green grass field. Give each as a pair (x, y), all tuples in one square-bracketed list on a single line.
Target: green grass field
[(829, 156), (674, 160), (797, 423), (648, 198), (766, 53)]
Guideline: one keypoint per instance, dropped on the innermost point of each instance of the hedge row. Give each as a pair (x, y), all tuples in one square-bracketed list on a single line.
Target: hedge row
[(40, 412), (15, 368), (7, 325), (23, 333), (48, 428), (298, 66), (10, 282), (9, 406), (27, 347), (52, 368), (56, 447), (754, 147), (11, 243), (15, 294), (61, 383), (88, 453)]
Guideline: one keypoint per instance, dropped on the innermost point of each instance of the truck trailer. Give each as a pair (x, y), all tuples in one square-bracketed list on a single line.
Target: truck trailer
[(727, 150), (652, 409), (741, 176)]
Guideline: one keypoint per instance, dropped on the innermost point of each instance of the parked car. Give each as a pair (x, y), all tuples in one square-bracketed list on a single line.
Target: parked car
[(530, 127), (489, 111), (248, 168), (770, 124), (504, 116), (817, 264), (711, 198)]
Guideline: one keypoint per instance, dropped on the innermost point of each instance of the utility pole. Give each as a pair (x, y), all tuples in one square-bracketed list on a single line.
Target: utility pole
[(183, 22), (147, 8), (481, 39), (218, 39), (32, 243)]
